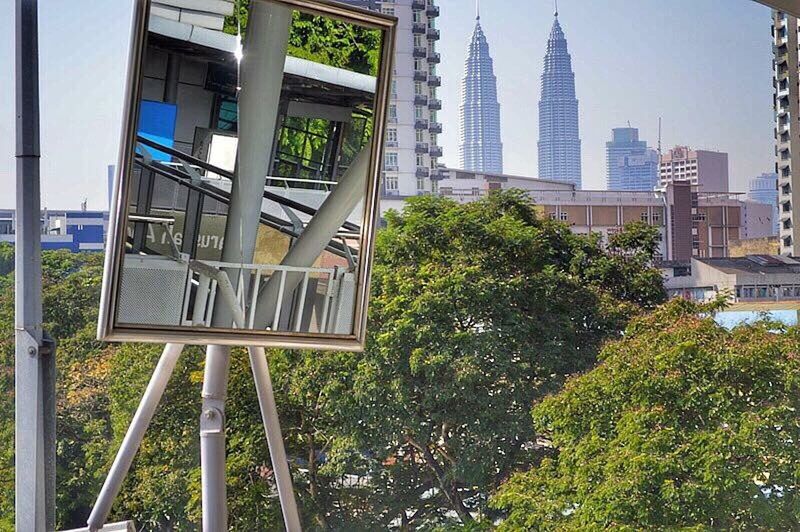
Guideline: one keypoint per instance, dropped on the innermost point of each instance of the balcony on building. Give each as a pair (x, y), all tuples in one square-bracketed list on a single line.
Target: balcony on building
[(392, 144), (436, 151), (432, 11), (420, 99), (433, 34), (420, 75), (422, 171), (435, 127), (421, 124), (437, 175), (418, 5), (434, 104), (434, 81), (419, 28), (421, 147), (434, 58), (420, 52), (391, 168)]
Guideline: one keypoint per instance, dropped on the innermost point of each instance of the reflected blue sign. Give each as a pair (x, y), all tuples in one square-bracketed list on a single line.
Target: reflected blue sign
[(157, 123)]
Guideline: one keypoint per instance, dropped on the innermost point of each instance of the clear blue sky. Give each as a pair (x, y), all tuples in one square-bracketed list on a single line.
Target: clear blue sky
[(703, 65)]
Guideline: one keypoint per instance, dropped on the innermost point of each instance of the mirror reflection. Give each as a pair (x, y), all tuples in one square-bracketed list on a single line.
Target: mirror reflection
[(251, 164)]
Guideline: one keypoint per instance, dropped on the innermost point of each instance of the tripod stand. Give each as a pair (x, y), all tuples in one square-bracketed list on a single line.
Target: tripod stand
[(212, 437)]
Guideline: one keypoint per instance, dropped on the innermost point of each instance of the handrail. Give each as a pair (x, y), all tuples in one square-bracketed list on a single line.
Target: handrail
[(224, 197), (277, 198)]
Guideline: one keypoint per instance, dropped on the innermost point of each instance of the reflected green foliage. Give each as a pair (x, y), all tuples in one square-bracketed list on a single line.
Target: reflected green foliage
[(684, 425), (323, 40)]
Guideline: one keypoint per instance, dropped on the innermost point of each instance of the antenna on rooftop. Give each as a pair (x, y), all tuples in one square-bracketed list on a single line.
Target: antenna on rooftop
[(659, 137), (555, 8)]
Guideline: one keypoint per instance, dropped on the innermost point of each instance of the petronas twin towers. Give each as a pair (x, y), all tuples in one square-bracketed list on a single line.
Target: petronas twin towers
[(481, 149)]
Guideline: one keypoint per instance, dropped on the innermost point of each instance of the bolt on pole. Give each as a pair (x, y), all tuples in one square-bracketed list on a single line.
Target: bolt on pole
[(34, 362)]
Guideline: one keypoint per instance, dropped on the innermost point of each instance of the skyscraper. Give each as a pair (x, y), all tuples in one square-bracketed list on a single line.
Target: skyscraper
[(559, 143), (480, 148), (764, 189), (630, 164), (412, 151), (787, 133)]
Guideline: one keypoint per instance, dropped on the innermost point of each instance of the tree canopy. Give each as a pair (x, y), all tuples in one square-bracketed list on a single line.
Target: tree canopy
[(478, 311), (684, 424)]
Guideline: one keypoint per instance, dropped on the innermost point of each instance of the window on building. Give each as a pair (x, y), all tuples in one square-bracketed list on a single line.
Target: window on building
[(419, 112), (562, 216), (420, 135), (420, 184), (393, 112), (418, 88), (394, 88), (420, 160), (391, 160), (390, 182), (391, 134)]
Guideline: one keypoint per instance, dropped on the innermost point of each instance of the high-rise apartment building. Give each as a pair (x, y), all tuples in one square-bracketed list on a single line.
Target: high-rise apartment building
[(559, 141), (480, 148), (764, 189), (412, 151), (707, 170), (787, 132), (630, 164)]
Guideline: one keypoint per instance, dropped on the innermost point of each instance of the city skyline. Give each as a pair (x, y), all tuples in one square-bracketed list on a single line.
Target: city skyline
[(81, 74)]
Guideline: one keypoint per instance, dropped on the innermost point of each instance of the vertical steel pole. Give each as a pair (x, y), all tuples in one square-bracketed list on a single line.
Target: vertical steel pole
[(34, 366), (272, 426), (212, 438)]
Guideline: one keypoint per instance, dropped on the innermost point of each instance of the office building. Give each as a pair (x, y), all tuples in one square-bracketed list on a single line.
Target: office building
[(630, 164), (764, 189), (754, 278), (707, 170), (79, 230), (480, 147), (787, 134), (411, 157), (559, 140), (690, 223)]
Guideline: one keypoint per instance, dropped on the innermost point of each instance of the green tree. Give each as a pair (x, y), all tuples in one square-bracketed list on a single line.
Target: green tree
[(477, 311), (684, 424)]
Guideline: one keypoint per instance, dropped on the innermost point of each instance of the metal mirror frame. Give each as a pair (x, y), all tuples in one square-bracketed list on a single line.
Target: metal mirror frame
[(109, 330)]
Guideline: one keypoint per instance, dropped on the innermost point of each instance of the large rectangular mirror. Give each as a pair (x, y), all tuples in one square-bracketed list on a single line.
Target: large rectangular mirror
[(247, 192)]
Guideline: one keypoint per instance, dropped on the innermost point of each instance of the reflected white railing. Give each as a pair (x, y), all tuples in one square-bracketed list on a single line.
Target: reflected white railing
[(211, 280)]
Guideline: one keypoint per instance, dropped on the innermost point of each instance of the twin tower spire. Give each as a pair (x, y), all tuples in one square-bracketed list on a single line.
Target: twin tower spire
[(559, 146)]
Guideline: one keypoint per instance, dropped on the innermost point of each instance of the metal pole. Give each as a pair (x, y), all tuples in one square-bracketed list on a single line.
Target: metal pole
[(34, 440), (133, 438), (272, 426), (316, 236), (212, 438), (261, 80)]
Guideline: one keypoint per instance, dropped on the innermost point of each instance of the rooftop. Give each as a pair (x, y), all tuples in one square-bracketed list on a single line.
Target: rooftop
[(763, 264)]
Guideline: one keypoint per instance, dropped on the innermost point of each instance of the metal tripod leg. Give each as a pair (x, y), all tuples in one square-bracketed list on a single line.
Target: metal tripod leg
[(133, 438), (212, 438), (272, 426)]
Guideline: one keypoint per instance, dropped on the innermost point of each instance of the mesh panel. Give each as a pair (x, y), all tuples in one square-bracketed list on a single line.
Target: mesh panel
[(151, 291)]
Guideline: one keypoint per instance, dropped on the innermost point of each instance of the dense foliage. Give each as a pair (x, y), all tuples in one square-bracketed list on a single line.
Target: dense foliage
[(478, 311), (322, 40), (683, 424)]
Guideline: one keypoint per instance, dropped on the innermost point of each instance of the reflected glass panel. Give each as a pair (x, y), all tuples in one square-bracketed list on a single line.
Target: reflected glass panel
[(247, 193)]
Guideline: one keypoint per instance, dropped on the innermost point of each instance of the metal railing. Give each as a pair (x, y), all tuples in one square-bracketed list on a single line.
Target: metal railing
[(211, 282)]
